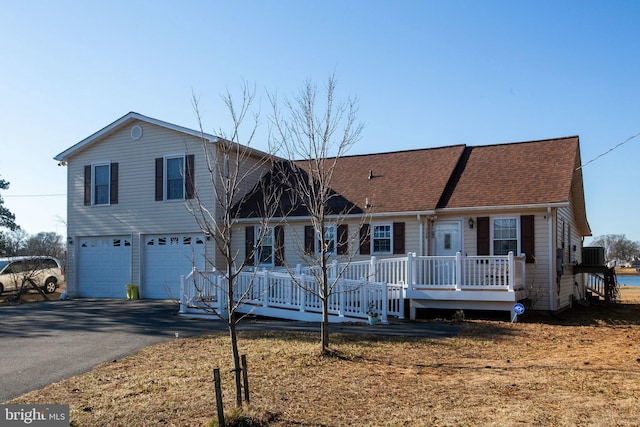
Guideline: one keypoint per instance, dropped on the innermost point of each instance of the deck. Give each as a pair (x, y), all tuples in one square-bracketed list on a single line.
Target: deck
[(383, 285)]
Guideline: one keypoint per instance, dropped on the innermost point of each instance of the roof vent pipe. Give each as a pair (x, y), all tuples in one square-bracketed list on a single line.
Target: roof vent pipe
[(370, 173)]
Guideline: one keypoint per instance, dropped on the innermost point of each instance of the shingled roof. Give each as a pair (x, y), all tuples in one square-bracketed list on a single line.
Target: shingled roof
[(525, 173), (535, 173), (403, 181)]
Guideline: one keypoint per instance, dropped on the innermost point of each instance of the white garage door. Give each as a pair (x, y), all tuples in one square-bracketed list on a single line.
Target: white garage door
[(166, 258), (104, 267)]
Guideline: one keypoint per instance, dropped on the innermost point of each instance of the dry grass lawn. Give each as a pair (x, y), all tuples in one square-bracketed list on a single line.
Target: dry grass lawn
[(579, 370)]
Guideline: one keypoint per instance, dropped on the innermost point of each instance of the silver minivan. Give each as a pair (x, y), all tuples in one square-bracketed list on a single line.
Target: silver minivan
[(43, 271)]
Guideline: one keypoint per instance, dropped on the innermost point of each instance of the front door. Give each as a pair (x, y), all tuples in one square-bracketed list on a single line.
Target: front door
[(446, 238), (446, 242)]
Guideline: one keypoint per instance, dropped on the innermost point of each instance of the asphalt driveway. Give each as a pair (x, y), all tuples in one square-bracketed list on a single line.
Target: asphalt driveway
[(42, 343)]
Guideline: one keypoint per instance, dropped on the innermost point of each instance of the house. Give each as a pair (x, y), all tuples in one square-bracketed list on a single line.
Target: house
[(526, 198), (127, 223), (127, 186)]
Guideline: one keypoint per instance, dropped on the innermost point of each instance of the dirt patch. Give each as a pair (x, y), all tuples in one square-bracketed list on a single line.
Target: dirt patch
[(579, 368)]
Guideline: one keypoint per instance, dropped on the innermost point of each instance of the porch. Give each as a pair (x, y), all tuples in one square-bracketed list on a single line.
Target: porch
[(381, 284)]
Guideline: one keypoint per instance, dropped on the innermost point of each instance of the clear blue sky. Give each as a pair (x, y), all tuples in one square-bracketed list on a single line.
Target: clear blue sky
[(427, 73)]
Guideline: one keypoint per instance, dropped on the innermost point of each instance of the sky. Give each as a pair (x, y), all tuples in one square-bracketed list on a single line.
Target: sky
[(425, 73)]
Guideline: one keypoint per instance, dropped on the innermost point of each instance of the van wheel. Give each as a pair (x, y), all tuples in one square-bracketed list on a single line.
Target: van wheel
[(50, 286), (1, 288)]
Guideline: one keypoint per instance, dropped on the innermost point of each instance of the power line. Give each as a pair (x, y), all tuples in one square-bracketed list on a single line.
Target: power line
[(33, 195), (608, 151)]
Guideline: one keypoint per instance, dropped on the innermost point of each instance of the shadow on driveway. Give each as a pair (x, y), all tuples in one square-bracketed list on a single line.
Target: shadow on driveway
[(42, 343)]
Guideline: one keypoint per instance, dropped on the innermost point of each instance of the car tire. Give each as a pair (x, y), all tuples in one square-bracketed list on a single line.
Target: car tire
[(1, 288), (50, 285)]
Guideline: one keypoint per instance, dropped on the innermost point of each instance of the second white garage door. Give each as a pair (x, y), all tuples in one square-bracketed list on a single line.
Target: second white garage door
[(166, 258)]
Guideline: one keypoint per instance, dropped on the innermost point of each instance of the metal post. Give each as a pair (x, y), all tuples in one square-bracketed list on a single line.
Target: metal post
[(245, 378), (218, 389)]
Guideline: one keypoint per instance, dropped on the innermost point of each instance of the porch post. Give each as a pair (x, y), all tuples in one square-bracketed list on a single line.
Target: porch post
[(341, 290), (511, 268), (372, 270), (385, 303), (303, 294), (183, 297), (222, 301), (410, 269), (265, 288), (459, 279)]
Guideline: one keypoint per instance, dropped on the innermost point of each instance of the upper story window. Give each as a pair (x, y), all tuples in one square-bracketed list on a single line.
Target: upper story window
[(175, 177), (174, 182), (505, 236), (101, 184)]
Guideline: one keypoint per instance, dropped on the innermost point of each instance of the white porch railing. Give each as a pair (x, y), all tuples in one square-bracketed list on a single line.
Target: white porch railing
[(456, 272), (290, 296), (385, 283)]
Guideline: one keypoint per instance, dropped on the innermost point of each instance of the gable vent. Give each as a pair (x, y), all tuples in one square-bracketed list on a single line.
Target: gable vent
[(136, 132)]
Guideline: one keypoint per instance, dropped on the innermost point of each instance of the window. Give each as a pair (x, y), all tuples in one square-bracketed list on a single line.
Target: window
[(505, 236), (101, 184), (269, 251), (381, 239), (174, 177), (265, 247), (174, 186), (329, 239)]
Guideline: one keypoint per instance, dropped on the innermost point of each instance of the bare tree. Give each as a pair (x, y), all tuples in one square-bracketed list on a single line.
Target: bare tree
[(14, 242), (313, 135), (45, 243), (233, 167), (617, 247)]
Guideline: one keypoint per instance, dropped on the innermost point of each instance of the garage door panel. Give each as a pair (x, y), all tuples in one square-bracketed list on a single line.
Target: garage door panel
[(166, 258), (105, 266)]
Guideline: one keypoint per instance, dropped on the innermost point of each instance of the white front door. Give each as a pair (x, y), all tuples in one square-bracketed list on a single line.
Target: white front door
[(447, 238), (446, 242)]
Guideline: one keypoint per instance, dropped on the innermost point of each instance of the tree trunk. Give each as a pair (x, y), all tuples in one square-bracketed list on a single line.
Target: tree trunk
[(231, 322), (237, 370), (324, 328)]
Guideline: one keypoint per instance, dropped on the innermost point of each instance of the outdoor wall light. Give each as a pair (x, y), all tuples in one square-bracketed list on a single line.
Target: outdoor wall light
[(470, 222)]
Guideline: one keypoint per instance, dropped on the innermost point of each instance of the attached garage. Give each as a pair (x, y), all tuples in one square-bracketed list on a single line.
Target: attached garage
[(166, 258), (104, 266)]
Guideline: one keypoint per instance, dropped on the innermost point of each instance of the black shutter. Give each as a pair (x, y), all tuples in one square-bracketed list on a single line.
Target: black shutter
[(278, 250), (159, 179), (343, 239), (527, 239), (483, 236), (87, 185), (365, 240), (249, 241), (189, 177), (309, 237), (113, 187), (398, 238)]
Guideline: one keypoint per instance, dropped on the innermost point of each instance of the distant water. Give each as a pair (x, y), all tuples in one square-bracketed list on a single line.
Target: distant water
[(628, 280)]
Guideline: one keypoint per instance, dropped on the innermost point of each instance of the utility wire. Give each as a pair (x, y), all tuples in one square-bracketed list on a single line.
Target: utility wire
[(33, 195), (608, 151)]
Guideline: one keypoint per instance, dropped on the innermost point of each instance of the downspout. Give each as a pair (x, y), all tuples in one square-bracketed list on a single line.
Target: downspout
[(551, 259), (421, 225)]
